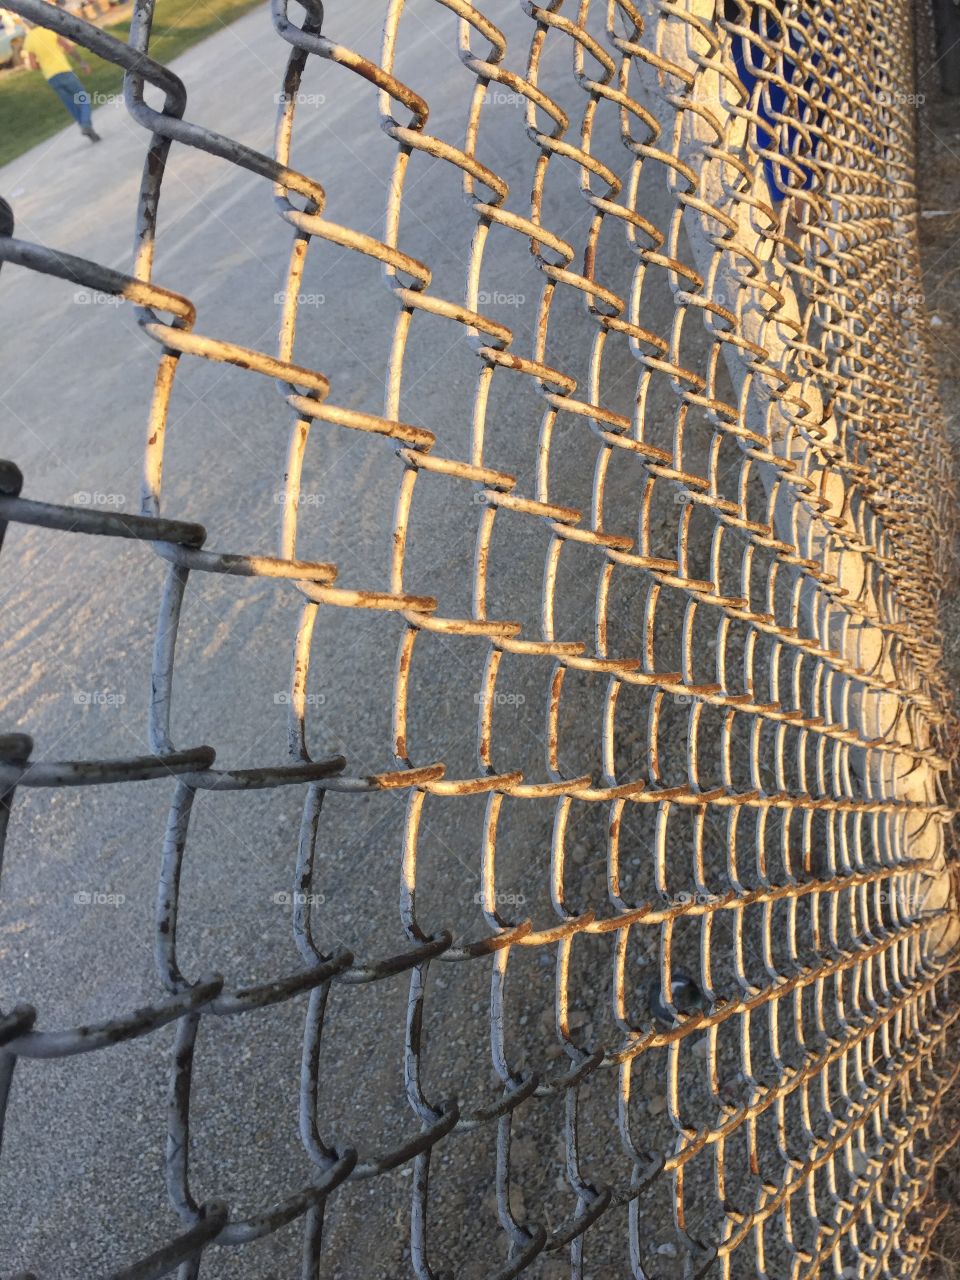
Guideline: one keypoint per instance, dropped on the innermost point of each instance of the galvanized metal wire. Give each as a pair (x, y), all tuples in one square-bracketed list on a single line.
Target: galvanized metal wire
[(794, 789)]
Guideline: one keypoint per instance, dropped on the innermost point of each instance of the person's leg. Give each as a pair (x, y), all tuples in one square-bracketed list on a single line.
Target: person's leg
[(75, 98), (65, 86), (81, 99)]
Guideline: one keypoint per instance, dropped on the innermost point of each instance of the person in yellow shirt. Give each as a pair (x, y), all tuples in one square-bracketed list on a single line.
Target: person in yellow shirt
[(46, 52)]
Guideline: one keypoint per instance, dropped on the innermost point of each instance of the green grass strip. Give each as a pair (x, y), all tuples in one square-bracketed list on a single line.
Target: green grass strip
[(30, 111)]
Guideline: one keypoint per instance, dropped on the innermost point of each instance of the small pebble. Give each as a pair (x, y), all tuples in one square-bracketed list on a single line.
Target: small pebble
[(651, 1086), (522, 1151)]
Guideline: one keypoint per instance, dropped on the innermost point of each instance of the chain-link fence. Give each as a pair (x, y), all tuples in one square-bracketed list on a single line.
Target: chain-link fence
[(675, 933)]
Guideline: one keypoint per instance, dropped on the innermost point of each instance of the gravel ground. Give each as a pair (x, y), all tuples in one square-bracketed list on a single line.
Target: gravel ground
[(81, 1177)]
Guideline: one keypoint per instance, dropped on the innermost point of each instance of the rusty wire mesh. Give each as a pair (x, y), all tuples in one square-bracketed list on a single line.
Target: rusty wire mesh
[(767, 927)]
